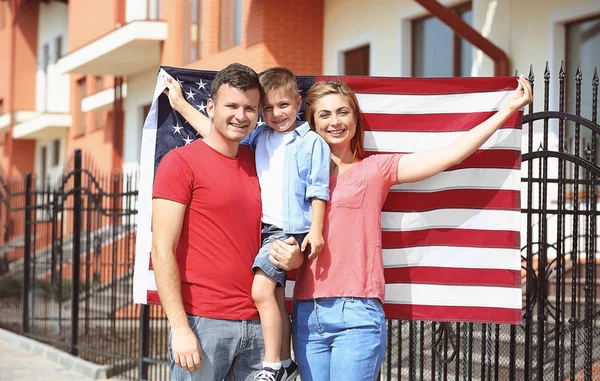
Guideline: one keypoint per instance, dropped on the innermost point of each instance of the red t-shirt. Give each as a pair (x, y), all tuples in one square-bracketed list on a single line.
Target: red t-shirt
[(220, 235)]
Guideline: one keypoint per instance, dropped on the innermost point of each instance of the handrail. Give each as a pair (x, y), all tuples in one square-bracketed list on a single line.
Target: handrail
[(466, 31)]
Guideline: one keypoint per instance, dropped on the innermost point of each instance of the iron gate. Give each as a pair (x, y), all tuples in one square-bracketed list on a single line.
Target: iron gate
[(83, 303)]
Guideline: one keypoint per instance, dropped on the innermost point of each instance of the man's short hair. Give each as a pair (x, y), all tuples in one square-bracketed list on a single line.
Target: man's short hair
[(239, 77), (278, 78)]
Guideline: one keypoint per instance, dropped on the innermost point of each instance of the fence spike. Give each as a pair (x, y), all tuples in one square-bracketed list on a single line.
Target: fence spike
[(561, 73), (578, 74), (547, 72), (531, 75), (588, 151), (595, 79)]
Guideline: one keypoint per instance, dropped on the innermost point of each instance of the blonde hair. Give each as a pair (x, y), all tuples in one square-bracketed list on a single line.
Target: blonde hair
[(320, 90), (276, 78)]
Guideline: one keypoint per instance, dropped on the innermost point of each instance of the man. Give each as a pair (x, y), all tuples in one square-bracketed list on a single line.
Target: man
[(206, 233)]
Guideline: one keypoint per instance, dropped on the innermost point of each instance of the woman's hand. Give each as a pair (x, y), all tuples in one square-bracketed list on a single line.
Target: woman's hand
[(522, 96), (286, 254)]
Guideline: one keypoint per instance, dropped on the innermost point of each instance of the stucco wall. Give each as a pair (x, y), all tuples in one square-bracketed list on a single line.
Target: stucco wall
[(140, 89), (52, 89)]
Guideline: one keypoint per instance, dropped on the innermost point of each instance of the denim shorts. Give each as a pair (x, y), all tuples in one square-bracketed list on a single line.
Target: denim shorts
[(270, 234), (232, 349)]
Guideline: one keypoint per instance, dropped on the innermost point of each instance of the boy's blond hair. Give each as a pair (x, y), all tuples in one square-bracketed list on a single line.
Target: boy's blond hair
[(278, 78)]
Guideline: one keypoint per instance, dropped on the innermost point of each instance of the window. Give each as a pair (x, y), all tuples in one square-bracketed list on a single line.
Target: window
[(58, 42), (99, 83), (55, 152), (81, 93), (43, 169), (437, 51), (45, 57), (231, 23), (100, 116), (582, 47), (356, 61), (193, 31)]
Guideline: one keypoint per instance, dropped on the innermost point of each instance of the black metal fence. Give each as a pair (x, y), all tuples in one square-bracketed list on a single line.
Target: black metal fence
[(78, 303), (83, 303)]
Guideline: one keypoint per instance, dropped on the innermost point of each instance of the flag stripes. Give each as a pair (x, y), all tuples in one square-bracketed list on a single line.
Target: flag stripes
[(451, 243)]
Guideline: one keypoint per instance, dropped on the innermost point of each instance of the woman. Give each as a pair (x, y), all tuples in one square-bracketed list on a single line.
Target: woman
[(338, 323)]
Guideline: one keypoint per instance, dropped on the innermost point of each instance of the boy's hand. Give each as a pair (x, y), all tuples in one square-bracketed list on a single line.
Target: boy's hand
[(175, 93), (316, 241)]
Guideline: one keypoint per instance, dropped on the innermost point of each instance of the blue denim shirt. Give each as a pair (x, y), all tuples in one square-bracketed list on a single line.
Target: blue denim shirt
[(306, 175)]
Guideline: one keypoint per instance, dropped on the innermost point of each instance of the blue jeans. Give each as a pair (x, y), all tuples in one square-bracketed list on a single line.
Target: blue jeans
[(271, 233), (232, 349), (339, 338)]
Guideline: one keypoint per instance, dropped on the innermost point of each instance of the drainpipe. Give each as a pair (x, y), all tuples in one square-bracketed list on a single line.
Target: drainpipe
[(11, 84), (118, 127), (468, 33)]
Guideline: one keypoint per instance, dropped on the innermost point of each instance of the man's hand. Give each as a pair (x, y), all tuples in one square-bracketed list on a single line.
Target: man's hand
[(286, 254), (316, 241), (175, 94), (187, 353)]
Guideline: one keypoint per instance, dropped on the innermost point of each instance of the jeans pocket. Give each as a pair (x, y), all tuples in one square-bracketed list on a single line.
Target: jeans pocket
[(374, 310), (193, 321)]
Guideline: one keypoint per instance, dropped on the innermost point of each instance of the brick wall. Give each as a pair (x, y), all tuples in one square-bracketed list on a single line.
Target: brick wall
[(273, 33)]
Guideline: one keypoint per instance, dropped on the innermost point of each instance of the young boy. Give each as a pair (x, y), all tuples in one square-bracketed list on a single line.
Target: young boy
[(292, 164)]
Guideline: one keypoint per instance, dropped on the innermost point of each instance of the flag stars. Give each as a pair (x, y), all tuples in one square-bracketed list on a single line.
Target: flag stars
[(180, 82), (190, 94), (260, 122), (177, 128), (298, 115), (187, 140), (201, 85), (201, 107)]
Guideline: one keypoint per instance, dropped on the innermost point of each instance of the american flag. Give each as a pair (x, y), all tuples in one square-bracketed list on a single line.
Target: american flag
[(450, 243)]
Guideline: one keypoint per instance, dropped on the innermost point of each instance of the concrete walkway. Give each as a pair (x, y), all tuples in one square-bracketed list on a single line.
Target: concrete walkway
[(23, 359), (20, 364)]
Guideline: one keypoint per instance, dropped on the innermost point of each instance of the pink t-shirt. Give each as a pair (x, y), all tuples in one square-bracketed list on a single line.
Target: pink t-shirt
[(351, 262)]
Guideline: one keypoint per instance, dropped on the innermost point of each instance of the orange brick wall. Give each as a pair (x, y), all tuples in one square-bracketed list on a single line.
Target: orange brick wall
[(5, 37), (5, 53), (172, 51), (23, 157), (293, 35), (93, 141), (288, 33), (273, 33), (24, 74), (89, 20), (26, 56)]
